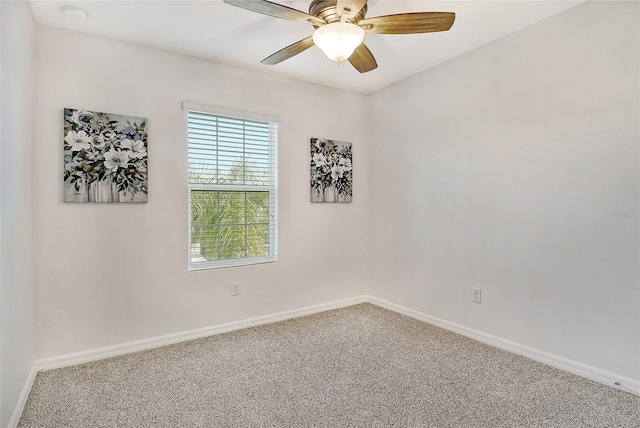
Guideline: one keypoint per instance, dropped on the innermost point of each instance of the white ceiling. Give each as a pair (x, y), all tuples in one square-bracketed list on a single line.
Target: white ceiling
[(219, 32)]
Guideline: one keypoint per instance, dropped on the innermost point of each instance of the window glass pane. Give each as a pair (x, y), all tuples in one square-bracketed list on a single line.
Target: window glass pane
[(204, 244), (201, 172), (204, 207), (204, 230), (258, 240), (232, 242), (257, 207), (232, 208)]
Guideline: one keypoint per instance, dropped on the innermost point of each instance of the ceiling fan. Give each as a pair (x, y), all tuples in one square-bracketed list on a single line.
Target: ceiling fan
[(340, 27)]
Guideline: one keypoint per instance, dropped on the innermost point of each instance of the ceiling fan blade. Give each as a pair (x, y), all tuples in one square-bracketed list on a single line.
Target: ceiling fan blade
[(350, 7), (289, 51), (276, 10), (408, 23), (362, 59)]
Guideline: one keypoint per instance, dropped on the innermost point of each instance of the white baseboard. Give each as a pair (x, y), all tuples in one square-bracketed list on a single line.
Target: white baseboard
[(24, 395), (592, 373), (170, 339)]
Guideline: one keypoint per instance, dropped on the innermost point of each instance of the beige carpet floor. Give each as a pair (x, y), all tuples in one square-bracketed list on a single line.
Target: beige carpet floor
[(361, 366)]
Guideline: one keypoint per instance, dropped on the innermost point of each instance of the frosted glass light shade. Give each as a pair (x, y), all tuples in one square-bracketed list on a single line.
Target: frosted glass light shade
[(338, 40)]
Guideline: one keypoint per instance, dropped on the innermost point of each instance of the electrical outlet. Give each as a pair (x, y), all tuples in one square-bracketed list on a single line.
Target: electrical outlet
[(477, 295), (235, 288)]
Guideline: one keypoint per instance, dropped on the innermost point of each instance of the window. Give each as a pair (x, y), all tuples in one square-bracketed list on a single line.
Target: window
[(233, 199)]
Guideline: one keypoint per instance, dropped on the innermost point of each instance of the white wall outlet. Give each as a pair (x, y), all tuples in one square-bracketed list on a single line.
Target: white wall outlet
[(477, 295), (235, 288)]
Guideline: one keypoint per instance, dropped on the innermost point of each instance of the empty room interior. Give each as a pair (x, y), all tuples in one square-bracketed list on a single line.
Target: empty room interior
[(208, 217)]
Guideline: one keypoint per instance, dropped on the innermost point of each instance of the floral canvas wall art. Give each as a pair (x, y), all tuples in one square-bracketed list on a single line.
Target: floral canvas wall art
[(331, 171), (105, 157)]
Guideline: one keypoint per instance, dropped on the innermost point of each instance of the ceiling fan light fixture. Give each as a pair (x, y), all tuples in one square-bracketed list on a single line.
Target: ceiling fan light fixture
[(338, 40)]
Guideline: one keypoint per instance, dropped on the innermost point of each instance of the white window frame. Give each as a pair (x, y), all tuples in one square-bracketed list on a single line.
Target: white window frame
[(272, 187)]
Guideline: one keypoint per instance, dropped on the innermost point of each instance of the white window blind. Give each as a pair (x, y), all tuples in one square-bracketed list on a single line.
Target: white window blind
[(233, 199)]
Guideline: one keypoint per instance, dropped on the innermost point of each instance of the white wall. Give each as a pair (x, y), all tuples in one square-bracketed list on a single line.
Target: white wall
[(113, 273), (17, 316), (496, 170)]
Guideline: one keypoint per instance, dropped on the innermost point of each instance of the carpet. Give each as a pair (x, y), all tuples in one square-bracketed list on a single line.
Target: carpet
[(361, 366)]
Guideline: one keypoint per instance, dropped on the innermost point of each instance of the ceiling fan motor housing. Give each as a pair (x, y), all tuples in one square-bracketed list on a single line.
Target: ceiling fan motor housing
[(326, 10)]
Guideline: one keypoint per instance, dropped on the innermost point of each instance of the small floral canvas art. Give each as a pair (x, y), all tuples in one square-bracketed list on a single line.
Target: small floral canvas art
[(105, 157), (331, 171)]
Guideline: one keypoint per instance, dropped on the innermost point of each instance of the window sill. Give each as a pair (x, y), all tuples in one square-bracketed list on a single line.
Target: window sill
[(195, 267)]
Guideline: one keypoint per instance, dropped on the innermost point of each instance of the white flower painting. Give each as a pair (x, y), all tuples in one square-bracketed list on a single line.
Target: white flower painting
[(105, 157), (331, 171)]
